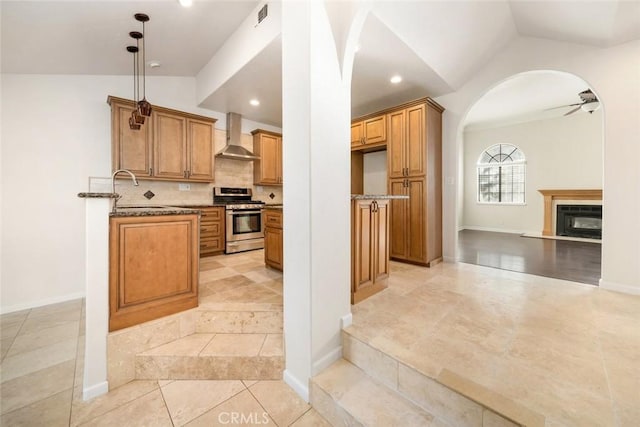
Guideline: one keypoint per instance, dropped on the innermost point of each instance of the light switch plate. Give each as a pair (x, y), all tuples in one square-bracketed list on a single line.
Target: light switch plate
[(184, 187)]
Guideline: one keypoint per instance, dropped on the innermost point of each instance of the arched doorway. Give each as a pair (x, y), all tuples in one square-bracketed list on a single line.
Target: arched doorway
[(541, 116)]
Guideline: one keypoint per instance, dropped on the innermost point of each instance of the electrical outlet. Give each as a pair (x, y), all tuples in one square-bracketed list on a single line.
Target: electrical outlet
[(184, 187)]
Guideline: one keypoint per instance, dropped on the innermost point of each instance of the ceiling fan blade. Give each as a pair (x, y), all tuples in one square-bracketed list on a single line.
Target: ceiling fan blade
[(562, 106), (572, 111)]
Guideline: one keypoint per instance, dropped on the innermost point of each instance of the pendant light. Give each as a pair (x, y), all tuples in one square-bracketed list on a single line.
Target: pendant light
[(142, 108), (143, 105), (133, 122)]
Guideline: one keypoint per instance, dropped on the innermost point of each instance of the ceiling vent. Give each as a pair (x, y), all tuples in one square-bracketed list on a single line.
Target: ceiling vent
[(262, 13)]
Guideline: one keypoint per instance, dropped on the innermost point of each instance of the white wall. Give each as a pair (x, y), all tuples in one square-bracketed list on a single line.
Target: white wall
[(55, 134), (613, 73), (375, 172), (561, 153)]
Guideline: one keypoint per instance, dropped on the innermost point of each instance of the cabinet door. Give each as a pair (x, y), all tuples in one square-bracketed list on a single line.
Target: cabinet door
[(415, 141), (153, 268), (279, 156), (395, 145), (398, 227), (381, 241), (357, 134), (266, 170), (170, 152), (361, 245), (131, 148), (416, 220), (200, 148), (273, 247), (375, 130)]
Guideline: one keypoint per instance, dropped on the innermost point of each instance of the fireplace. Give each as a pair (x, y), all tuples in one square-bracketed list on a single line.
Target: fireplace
[(579, 221)]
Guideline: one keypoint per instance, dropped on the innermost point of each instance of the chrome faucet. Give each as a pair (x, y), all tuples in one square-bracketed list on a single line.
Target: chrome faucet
[(113, 184)]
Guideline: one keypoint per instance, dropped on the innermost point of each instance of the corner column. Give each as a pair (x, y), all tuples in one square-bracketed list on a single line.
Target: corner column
[(316, 165)]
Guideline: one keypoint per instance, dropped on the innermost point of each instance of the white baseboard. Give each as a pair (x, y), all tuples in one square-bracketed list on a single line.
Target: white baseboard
[(449, 259), (619, 287), (40, 303), (95, 390), (297, 385), (346, 320), (495, 230), (326, 361)]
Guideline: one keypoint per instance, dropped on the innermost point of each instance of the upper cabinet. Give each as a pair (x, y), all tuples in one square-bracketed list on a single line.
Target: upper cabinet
[(171, 145), (268, 146), (369, 133), (406, 145), (130, 149)]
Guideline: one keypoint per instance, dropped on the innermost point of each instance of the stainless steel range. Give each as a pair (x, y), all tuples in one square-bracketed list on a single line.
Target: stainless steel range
[(244, 226)]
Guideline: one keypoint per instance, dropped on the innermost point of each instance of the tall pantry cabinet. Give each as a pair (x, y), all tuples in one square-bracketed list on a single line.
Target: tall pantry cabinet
[(414, 169)]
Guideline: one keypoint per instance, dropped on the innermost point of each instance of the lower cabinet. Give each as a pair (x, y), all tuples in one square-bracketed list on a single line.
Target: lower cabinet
[(212, 237), (153, 267), (369, 248), (273, 256)]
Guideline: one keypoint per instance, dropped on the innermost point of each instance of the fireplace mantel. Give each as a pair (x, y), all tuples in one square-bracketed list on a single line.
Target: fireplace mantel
[(551, 195)]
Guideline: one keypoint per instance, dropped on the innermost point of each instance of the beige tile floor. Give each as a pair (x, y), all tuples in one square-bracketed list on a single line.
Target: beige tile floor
[(42, 357), (569, 351), (566, 350)]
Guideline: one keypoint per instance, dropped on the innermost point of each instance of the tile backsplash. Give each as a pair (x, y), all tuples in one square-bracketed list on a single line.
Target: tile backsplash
[(228, 173)]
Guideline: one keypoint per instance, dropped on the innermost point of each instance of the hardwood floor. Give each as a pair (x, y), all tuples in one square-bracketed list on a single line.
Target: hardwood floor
[(560, 259)]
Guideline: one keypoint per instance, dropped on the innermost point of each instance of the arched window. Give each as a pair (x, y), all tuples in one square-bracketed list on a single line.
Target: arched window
[(501, 175)]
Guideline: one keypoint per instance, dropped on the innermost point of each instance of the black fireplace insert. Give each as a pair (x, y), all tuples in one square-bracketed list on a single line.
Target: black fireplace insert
[(579, 221)]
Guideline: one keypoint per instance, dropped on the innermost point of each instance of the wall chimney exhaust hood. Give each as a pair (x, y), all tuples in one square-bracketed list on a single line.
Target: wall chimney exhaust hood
[(233, 149)]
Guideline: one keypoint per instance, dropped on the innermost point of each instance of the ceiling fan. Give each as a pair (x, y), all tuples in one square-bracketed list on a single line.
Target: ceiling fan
[(589, 103)]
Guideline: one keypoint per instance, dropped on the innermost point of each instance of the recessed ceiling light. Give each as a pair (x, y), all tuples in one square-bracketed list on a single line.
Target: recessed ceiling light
[(153, 64), (254, 102), (395, 79), (186, 3)]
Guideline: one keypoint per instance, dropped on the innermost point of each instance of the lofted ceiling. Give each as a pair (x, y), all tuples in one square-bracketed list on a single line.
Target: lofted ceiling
[(435, 45)]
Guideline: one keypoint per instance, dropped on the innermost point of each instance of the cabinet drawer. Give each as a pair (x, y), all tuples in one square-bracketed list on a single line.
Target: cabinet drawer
[(211, 244), (213, 229), (212, 213), (273, 219)]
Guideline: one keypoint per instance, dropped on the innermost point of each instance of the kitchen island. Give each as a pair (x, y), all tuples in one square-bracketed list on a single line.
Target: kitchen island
[(369, 244), (153, 263)]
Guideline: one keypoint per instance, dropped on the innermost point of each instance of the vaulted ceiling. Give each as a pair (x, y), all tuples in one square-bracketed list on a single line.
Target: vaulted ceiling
[(435, 45)]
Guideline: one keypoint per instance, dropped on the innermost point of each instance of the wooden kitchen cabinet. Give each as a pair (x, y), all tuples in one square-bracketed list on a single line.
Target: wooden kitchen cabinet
[(414, 160), (172, 145), (369, 248), (153, 267), (369, 133), (130, 149), (406, 145), (268, 146), (212, 230), (273, 238)]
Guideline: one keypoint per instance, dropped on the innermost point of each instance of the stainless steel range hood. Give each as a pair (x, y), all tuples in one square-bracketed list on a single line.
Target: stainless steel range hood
[(233, 149)]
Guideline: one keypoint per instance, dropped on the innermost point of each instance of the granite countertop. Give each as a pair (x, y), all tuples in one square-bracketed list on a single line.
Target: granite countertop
[(89, 195), (377, 197), (278, 206), (152, 211)]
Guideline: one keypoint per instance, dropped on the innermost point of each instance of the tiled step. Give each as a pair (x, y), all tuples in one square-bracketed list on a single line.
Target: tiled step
[(451, 398), (346, 395), (214, 356), (243, 319)]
